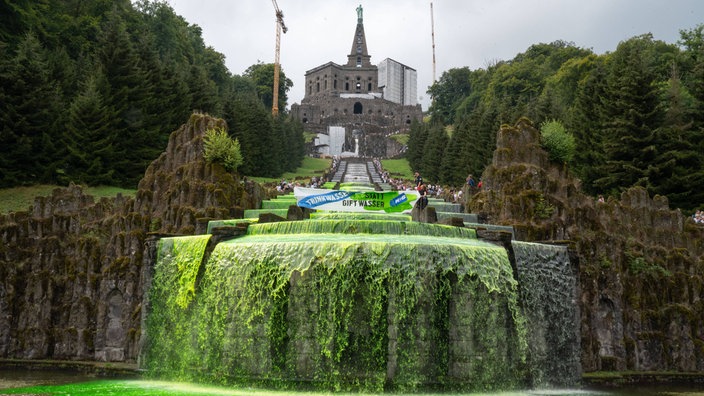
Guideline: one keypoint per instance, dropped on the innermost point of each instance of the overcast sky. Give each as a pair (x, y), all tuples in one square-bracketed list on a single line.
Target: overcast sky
[(472, 33)]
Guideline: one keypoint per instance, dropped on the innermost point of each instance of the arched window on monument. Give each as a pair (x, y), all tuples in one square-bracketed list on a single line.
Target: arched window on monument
[(357, 108)]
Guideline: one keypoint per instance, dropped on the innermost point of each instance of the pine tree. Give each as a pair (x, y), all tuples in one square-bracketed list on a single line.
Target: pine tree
[(454, 167), (250, 123), (585, 123), (30, 106), (629, 117), (88, 140), (417, 136), (433, 152), (678, 169), (125, 91)]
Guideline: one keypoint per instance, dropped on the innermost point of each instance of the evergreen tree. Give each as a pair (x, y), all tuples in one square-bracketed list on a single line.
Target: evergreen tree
[(678, 168), (585, 122), (433, 152), (30, 106), (88, 140), (630, 117), (454, 167), (417, 136), (125, 91), (481, 125), (250, 123)]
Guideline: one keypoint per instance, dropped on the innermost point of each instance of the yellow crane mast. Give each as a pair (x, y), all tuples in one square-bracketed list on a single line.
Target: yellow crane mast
[(280, 27)]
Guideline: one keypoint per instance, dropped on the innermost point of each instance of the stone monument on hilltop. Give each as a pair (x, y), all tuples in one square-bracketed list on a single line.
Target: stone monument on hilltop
[(370, 102)]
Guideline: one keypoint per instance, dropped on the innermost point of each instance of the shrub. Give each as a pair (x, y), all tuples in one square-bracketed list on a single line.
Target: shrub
[(557, 141), (220, 148)]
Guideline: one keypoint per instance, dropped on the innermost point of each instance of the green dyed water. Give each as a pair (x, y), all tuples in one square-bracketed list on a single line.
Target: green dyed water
[(356, 186), (354, 226), (390, 306), (278, 204), (178, 262), (164, 388), (361, 216)]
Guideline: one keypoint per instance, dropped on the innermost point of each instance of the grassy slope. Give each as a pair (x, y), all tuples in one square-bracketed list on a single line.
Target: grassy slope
[(309, 167), (21, 198), (398, 168)]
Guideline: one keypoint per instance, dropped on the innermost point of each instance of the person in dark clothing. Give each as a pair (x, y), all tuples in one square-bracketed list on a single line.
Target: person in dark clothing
[(418, 180)]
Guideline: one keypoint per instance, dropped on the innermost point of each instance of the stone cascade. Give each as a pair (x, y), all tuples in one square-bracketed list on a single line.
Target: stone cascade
[(376, 177), (358, 174), (340, 172), (348, 305)]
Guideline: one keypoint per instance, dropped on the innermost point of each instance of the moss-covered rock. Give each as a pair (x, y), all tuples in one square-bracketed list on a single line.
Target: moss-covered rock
[(641, 268)]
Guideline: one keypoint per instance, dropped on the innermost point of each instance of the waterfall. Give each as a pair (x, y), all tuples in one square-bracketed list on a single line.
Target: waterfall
[(340, 311), (548, 289)]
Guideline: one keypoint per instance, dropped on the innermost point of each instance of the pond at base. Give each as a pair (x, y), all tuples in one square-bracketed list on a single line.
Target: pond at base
[(68, 383)]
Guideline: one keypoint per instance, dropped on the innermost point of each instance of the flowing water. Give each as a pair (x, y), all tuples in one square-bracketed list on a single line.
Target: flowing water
[(340, 304), (548, 292)]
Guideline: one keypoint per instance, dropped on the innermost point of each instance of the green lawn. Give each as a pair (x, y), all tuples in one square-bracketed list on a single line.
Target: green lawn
[(21, 198), (398, 168), (309, 167)]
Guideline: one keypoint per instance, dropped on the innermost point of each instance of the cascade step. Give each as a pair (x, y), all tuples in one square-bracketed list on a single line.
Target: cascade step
[(466, 217), (254, 213), (278, 204), (446, 207), (490, 227)]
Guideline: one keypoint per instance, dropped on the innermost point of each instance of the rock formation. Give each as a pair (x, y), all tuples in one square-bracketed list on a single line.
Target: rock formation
[(641, 263), (71, 279)]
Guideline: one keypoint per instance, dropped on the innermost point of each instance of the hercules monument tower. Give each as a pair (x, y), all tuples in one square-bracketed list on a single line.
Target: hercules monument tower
[(355, 107)]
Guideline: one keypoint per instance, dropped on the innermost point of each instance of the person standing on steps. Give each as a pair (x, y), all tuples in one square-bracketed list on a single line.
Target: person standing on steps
[(418, 181)]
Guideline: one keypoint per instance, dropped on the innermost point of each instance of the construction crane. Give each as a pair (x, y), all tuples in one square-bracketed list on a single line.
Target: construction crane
[(280, 27), (432, 34)]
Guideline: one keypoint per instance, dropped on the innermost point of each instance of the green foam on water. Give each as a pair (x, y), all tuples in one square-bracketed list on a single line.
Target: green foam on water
[(178, 260), (356, 226), (361, 216), (278, 204)]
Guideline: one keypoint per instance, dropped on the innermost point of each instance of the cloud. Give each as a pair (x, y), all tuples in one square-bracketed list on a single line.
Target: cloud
[(470, 33)]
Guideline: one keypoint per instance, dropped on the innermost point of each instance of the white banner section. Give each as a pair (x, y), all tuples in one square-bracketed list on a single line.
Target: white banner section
[(351, 201)]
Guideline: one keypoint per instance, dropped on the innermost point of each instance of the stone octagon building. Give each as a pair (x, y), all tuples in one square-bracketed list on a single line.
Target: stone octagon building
[(361, 102)]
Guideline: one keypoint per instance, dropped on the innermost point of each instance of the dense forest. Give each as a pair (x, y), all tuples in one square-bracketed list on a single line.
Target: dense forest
[(636, 115), (91, 90)]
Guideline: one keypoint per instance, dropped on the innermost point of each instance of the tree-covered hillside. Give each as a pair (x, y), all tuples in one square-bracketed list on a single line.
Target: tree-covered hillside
[(91, 90), (636, 115)]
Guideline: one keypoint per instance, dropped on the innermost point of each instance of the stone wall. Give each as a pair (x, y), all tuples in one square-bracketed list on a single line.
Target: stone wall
[(641, 263), (70, 269)]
